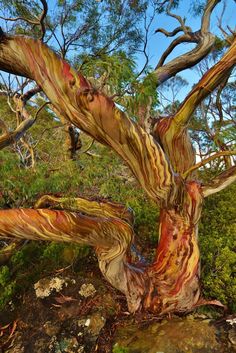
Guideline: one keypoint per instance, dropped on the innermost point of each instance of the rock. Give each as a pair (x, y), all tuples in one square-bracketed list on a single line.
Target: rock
[(87, 290), (81, 322), (96, 323), (231, 321), (179, 335), (232, 336), (65, 345), (51, 328), (92, 324)]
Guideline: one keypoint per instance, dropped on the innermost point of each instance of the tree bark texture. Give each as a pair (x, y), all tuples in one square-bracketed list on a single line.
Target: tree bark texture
[(158, 161)]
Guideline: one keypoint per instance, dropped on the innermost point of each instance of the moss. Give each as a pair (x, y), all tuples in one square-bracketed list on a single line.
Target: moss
[(7, 286), (119, 349)]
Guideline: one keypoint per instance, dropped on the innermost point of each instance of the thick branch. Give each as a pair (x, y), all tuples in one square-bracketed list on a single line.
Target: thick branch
[(220, 182), (95, 208), (89, 110), (172, 132), (205, 42), (185, 38), (206, 86), (111, 237)]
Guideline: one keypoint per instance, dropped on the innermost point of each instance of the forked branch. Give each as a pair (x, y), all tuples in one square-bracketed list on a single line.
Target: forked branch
[(12, 137), (37, 22)]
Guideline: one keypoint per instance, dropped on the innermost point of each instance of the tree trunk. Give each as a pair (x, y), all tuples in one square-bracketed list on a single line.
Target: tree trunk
[(174, 274)]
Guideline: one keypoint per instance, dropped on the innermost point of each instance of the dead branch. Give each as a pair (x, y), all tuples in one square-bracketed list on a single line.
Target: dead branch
[(204, 39)]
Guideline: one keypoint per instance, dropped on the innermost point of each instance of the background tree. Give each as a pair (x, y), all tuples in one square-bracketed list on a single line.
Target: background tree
[(163, 162)]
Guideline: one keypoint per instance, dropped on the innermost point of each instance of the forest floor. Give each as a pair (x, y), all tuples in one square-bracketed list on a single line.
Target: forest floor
[(69, 311)]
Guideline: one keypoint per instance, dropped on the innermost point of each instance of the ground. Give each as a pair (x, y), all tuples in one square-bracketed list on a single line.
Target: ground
[(71, 311)]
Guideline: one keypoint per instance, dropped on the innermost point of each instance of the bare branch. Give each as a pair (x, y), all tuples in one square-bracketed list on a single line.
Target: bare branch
[(87, 148), (42, 17), (205, 42), (29, 94), (12, 137), (170, 34), (13, 19), (186, 38), (177, 17)]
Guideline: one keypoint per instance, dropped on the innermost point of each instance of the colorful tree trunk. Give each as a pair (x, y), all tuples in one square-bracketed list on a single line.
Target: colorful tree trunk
[(163, 163)]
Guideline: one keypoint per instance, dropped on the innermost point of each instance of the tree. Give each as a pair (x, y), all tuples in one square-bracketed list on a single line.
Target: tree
[(163, 161)]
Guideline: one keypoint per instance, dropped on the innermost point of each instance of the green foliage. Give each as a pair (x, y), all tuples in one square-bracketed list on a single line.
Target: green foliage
[(142, 92), (63, 254), (119, 349), (109, 73), (90, 26), (197, 8), (217, 234), (33, 261)]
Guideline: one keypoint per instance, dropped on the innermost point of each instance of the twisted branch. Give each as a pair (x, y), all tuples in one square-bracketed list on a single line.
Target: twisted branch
[(111, 237), (91, 111)]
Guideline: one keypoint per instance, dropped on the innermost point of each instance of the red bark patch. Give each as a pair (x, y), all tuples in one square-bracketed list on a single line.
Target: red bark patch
[(162, 126), (66, 71), (84, 84)]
